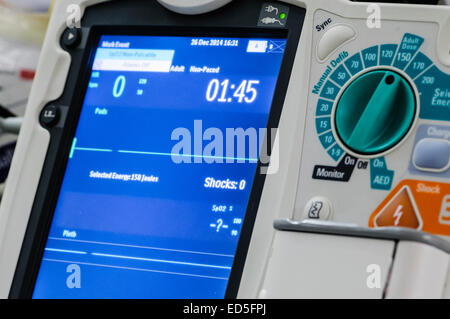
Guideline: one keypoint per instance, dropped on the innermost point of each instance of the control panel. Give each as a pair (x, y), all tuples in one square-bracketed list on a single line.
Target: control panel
[(377, 137)]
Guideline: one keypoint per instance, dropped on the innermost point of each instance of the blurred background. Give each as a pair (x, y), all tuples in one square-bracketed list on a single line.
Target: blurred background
[(23, 24)]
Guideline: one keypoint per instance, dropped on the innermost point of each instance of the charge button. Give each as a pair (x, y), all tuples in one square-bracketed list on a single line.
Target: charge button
[(333, 39), (432, 155)]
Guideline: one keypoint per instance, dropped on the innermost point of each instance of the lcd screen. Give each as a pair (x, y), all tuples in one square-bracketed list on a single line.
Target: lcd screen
[(161, 167)]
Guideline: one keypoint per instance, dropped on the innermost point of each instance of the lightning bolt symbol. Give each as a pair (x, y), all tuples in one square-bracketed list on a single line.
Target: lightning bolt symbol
[(398, 215)]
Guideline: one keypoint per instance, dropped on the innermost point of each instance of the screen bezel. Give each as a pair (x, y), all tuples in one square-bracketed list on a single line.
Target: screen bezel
[(38, 230)]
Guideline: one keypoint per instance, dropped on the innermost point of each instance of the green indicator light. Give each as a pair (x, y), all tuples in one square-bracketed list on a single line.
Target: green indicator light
[(283, 16)]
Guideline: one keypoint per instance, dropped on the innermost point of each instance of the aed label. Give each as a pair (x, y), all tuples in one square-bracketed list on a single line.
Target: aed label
[(381, 177)]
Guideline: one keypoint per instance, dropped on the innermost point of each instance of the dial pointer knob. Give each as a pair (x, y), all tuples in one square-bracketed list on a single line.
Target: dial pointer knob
[(375, 112)]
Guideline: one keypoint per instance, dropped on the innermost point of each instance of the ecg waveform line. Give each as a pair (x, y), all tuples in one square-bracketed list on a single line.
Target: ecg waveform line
[(138, 258), (190, 155), (104, 150), (132, 268), (142, 247)]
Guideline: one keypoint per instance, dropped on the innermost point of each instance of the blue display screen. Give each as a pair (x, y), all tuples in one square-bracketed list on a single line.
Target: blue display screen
[(161, 167)]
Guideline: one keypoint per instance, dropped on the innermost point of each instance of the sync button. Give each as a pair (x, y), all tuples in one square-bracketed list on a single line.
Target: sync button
[(333, 39)]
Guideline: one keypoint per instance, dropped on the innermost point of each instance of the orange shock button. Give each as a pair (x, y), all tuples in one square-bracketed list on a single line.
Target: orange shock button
[(414, 204)]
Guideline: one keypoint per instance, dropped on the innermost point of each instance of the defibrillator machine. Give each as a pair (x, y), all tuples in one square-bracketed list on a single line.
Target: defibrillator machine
[(223, 149)]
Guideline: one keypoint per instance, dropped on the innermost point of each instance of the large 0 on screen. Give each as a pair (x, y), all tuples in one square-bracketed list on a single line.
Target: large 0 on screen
[(161, 167)]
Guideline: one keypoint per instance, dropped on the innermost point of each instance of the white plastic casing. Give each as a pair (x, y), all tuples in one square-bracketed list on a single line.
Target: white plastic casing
[(193, 6), (419, 271), (285, 193), (341, 267)]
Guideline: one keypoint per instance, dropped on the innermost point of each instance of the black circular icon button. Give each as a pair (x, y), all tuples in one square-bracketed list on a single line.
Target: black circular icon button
[(50, 115), (71, 37)]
